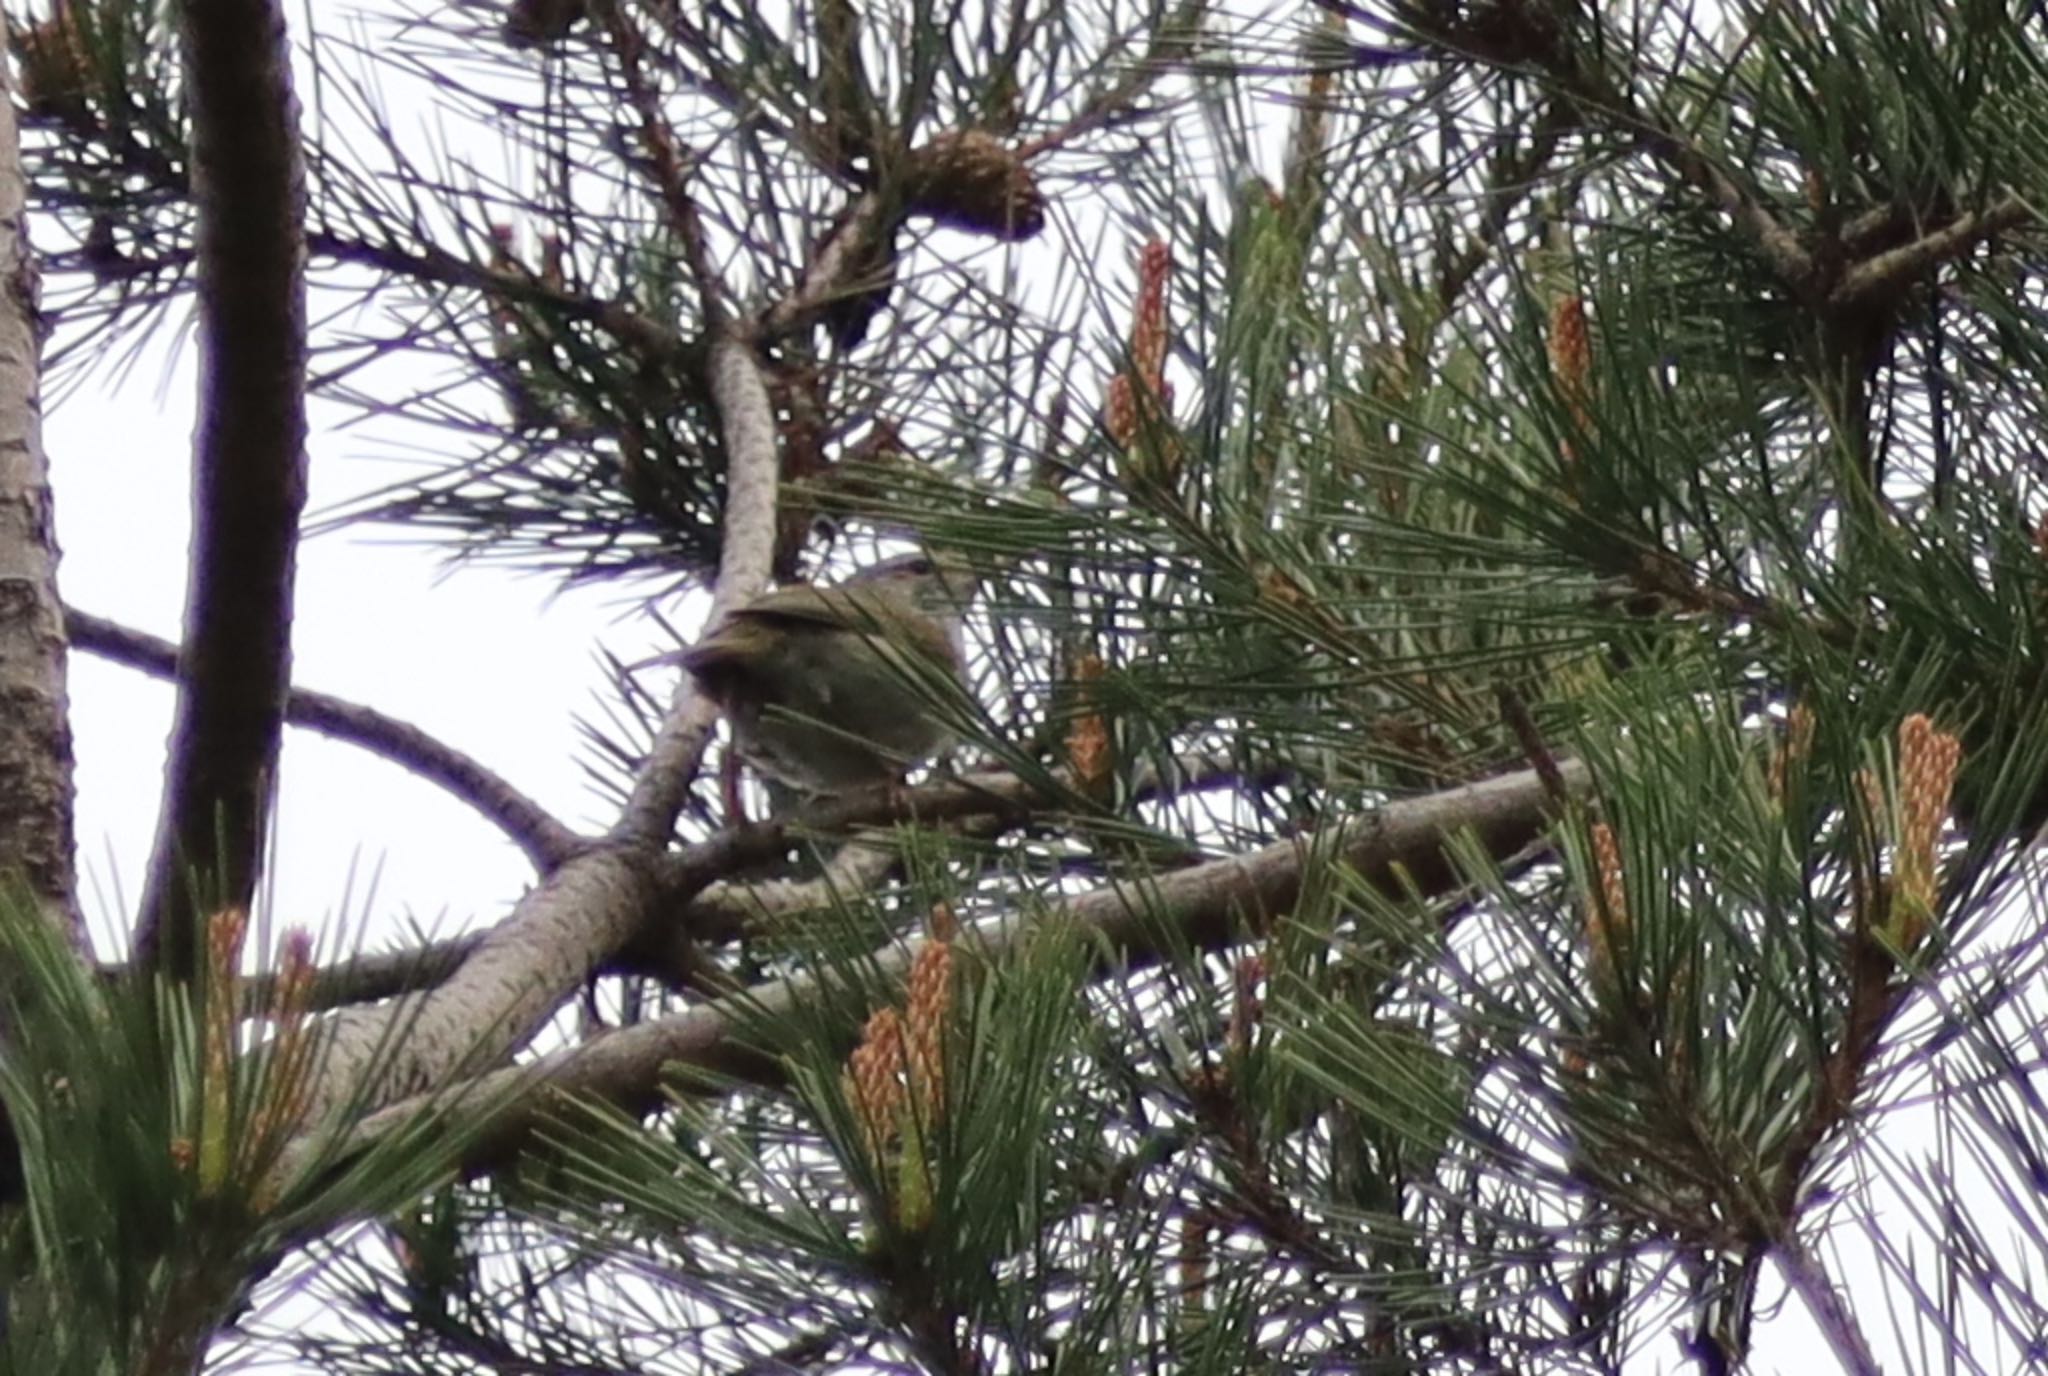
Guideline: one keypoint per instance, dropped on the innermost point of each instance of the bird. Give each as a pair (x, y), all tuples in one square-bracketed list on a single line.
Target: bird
[(831, 689)]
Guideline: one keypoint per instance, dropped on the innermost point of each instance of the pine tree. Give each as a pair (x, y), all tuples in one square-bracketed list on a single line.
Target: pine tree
[(1495, 826)]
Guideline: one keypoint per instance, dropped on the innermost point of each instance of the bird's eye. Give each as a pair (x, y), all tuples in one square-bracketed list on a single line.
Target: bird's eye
[(918, 567)]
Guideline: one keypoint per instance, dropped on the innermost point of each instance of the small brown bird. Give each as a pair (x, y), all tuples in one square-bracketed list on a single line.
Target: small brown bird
[(830, 689)]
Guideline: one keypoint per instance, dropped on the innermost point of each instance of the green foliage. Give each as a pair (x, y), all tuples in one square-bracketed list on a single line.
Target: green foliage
[(163, 1168)]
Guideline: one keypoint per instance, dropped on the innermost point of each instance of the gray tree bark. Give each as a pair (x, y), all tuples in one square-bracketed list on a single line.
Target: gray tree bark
[(35, 731)]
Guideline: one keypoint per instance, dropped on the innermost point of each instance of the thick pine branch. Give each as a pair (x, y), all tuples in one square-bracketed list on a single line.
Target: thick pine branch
[(249, 474), (1402, 849), (702, 906), (752, 471)]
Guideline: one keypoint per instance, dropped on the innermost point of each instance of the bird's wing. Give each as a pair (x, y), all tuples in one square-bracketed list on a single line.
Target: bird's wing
[(709, 655), (818, 608), (738, 643), (734, 645)]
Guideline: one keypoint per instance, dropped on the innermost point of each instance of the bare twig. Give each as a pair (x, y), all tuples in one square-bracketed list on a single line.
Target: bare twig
[(1834, 1319), (665, 948), (545, 841), (664, 161), (801, 1352), (366, 977), (652, 340), (733, 906), (723, 909), (1514, 710), (836, 264), (1171, 38), (1508, 183), (249, 475)]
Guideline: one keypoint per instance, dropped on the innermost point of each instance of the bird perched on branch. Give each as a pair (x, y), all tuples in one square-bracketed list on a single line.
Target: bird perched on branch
[(835, 688)]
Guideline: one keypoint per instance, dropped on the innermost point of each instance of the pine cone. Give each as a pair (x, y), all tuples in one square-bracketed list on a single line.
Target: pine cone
[(970, 180)]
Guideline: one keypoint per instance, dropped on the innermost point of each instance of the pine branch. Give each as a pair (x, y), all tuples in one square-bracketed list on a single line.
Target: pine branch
[(544, 840), (987, 794), (1780, 247), (594, 903), (741, 393), (853, 241), (1884, 274), (985, 802), (503, 992), (1512, 42), (725, 908), (1400, 849), (655, 343), (249, 476), (718, 81)]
